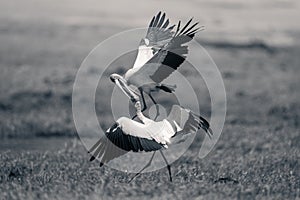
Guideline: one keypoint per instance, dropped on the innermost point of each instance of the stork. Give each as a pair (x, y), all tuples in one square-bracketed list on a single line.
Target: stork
[(160, 53), (128, 135)]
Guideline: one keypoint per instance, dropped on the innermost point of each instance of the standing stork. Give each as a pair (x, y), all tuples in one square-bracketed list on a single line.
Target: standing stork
[(160, 53), (129, 135)]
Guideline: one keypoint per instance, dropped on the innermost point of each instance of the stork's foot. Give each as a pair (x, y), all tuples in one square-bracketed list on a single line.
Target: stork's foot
[(145, 107)]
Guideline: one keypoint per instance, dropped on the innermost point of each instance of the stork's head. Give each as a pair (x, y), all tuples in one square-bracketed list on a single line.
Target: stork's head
[(115, 77), (121, 82)]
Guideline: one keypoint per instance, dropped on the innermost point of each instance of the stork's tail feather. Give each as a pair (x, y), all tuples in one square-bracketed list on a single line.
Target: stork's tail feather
[(167, 88)]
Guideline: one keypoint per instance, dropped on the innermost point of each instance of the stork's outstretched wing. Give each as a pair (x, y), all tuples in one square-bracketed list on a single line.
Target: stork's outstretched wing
[(169, 57), (116, 143), (186, 121), (158, 34)]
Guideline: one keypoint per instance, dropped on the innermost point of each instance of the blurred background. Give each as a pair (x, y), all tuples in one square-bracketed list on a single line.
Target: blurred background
[(255, 44)]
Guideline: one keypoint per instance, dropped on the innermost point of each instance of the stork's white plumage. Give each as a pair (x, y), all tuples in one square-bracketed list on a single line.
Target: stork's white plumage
[(160, 53), (129, 135)]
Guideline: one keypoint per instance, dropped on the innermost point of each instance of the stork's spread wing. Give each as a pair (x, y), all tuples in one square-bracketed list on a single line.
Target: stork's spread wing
[(116, 143), (186, 121), (158, 34), (169, 57)]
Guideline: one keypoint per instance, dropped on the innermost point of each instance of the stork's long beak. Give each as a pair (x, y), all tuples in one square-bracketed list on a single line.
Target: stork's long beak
[(132, 95)]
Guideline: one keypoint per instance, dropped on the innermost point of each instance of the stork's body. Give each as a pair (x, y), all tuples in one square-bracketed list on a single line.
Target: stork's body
[(160, 53), (129, 135)]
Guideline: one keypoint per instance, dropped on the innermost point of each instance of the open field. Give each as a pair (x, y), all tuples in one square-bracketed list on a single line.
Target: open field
[(238, 168), (257, 155)]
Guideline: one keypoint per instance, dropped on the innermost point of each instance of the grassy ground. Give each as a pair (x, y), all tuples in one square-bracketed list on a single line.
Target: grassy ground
[(238, 168), (257, 155)]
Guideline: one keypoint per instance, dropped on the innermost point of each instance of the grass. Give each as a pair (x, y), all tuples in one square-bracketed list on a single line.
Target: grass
[(238, 168)]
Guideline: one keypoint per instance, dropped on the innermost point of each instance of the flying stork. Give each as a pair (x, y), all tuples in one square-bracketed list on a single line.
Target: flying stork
[(160, 53), (129, 135)]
